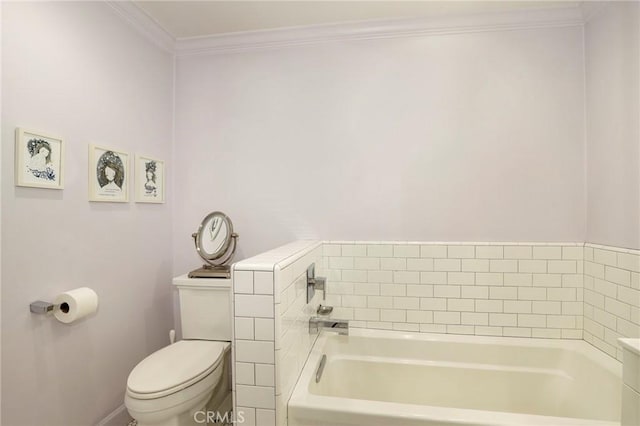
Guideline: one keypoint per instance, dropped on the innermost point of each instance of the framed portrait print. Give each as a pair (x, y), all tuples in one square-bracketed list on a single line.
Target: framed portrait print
[(39, 160), (149, 180), (108, 175)]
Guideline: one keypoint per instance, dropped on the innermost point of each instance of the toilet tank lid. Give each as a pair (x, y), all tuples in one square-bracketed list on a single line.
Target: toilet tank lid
[(185, 281), (175, 367)]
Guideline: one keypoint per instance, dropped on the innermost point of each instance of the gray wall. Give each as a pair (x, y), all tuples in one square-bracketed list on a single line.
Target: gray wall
[(612, 40), (461, 137), (77, 70)]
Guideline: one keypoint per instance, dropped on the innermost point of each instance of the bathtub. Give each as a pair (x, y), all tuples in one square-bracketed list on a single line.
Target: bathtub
[(385, 378)]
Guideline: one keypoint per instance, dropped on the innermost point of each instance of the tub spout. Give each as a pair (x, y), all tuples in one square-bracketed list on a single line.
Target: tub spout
[(341, 326)]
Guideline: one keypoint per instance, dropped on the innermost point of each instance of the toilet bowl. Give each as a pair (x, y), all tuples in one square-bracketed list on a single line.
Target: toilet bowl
[(169, 386)]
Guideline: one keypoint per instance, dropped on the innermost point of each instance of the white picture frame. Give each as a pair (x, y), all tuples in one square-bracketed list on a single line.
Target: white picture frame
[(39, 160), (109, 175), (150, 180)]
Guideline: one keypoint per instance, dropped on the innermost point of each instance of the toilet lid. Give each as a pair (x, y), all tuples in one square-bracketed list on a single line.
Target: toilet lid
[(175, 367)]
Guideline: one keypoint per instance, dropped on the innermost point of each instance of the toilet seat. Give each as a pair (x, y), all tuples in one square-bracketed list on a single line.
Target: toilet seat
[(174, 368)]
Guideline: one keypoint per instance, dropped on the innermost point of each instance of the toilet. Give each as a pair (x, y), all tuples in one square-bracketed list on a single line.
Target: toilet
[(178, 384)]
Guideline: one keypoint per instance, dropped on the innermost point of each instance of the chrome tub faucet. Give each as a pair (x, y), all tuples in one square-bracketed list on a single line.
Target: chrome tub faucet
[(341, 326)]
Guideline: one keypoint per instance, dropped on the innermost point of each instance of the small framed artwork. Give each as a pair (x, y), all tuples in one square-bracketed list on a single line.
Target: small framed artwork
[(39, 160), (149, 180), (108, 175)]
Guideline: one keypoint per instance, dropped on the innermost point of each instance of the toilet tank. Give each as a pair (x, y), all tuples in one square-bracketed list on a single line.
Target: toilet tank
[(205, 307)]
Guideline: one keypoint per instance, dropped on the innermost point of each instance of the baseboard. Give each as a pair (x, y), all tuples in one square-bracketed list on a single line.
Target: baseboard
[(118, 417)]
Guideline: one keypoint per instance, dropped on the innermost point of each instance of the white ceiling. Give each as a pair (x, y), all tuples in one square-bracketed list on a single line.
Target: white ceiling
[(185, 19)]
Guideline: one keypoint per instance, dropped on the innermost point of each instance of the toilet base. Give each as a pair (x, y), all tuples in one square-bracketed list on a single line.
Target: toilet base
[(198, 417), (183, 419), (213, 405)]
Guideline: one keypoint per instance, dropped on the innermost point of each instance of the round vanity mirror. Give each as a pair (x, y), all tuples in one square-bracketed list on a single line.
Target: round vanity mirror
[(214, 236), (215, 243)]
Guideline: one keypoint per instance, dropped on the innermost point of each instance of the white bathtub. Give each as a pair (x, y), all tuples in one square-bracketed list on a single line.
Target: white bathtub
[(386, 378)]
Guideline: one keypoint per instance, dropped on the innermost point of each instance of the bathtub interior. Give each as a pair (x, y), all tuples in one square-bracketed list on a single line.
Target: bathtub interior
[(547, 378)]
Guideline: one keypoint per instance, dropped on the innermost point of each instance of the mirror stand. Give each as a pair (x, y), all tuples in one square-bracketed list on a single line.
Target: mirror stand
[(211, 271), (217, 264)]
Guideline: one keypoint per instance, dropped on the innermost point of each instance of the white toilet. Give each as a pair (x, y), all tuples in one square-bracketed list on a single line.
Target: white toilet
[(176, 385)]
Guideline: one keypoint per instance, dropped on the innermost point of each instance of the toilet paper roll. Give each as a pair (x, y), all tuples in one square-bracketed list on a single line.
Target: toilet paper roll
[(75, 304)]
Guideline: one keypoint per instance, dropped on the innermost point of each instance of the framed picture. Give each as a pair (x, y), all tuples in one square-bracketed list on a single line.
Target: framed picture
[(39, 160), (108, 175), (149, 180)]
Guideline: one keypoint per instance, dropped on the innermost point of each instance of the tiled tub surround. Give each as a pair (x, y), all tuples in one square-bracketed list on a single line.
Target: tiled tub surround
[(271, 329), (611, 296), (504, 289), (492, 289)]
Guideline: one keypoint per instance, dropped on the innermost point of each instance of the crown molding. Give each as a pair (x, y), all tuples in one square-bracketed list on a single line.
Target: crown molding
[(380, 29), (351, 31), (144, 24), (591, 9)]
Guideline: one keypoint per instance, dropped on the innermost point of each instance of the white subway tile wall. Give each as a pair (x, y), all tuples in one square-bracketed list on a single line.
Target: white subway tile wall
[(271, 336), (611, 296), (293, 341), (568, 290), (504, 289)]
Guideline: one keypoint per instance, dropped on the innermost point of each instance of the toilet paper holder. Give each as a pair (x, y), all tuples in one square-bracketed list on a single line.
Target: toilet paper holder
[(69, 306), (40, 307)]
